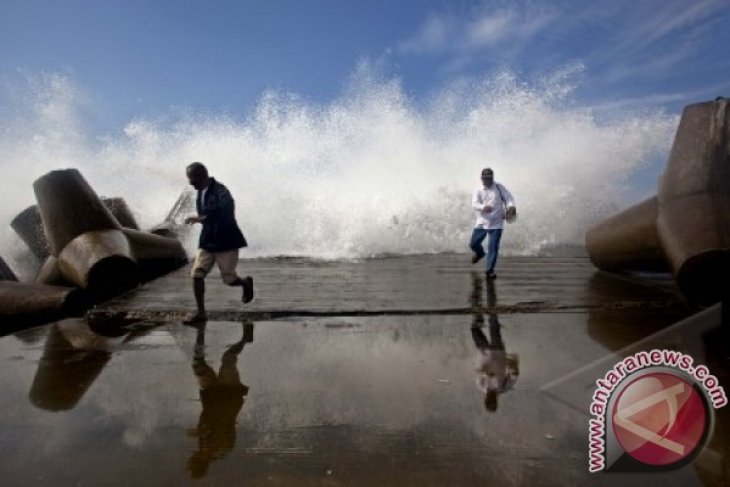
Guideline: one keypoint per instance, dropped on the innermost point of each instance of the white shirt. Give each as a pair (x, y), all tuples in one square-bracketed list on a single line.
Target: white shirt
[(484, 197), (202, 196), (496, 370)]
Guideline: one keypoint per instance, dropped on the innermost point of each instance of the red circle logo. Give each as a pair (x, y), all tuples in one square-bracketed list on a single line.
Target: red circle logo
[(659, 419)]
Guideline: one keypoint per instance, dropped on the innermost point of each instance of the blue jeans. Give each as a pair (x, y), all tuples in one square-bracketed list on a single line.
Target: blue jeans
[(478, 236)]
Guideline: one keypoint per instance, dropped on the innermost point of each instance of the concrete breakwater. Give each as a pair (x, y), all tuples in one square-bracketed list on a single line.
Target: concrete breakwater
[(685, 228), (92, 249)]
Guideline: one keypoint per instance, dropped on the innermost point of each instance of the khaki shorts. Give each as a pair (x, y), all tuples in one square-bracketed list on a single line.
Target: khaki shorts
[(227, 262)]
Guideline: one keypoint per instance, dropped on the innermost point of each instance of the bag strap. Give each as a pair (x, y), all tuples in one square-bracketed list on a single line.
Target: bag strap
[(499, 190)]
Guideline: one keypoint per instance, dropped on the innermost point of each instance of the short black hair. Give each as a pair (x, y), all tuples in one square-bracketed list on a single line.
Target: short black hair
[(487, 170), (197, 167)]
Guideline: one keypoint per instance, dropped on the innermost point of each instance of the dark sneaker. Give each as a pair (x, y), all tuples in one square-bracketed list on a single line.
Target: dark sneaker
[(476, 258), (247, 289), (195, 318), (491, 275)]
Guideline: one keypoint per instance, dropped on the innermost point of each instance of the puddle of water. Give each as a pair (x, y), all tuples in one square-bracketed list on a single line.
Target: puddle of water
[(340, 401)]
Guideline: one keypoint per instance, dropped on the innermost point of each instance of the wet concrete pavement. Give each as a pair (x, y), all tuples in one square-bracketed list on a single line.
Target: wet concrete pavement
[(392, 399), (420, 284)]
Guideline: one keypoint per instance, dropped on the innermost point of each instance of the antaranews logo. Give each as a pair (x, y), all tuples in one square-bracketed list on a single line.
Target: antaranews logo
[(652, 411)]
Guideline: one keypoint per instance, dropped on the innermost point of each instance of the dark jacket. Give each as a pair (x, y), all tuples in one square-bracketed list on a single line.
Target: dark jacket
[(220, 230)]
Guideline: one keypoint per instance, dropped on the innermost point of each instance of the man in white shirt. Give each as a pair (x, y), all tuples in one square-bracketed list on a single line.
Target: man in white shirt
[(493, 204)]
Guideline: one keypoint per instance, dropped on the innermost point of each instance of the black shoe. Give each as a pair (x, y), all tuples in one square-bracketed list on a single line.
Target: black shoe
[(247, 289), (476, 258), (491, 275)]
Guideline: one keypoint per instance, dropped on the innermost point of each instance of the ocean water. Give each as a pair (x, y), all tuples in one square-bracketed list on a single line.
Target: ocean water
[(374, 171)]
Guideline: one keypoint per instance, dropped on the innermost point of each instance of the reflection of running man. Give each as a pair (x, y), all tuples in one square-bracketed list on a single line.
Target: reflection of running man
[(222, 396), (497, 370)]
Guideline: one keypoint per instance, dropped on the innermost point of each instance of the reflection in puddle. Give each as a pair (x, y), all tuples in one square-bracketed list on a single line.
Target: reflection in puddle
[(73, 357), (222, 396), (497, 370), (387, 400)]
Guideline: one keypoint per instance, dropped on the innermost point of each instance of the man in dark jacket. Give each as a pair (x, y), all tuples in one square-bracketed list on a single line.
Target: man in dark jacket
[(220, 238)]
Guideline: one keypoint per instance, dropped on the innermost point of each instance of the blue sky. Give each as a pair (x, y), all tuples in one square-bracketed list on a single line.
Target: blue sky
[(137, 58)]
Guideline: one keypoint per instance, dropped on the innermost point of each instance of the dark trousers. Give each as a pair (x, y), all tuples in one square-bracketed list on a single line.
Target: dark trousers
[(495, 336)]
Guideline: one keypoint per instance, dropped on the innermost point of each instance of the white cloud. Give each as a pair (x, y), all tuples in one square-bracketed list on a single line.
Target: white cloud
[(672, 17), (620, 42), (484, 28), (489, 29), (431, 37), (653, 39)]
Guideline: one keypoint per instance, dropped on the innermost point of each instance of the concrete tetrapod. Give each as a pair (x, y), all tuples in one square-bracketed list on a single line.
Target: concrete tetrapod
[(50, 273), (92, 251), (156, 255), (28, 224), (121, 212), (688, 223), (100, 261), (694, 202), (6, 273), (28, 304), (628, 240), (66, 370), (167, 229), (29, 227), (22, 304)]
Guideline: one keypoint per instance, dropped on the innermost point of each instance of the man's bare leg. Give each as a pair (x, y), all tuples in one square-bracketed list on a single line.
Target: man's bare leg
[(199, 292)]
